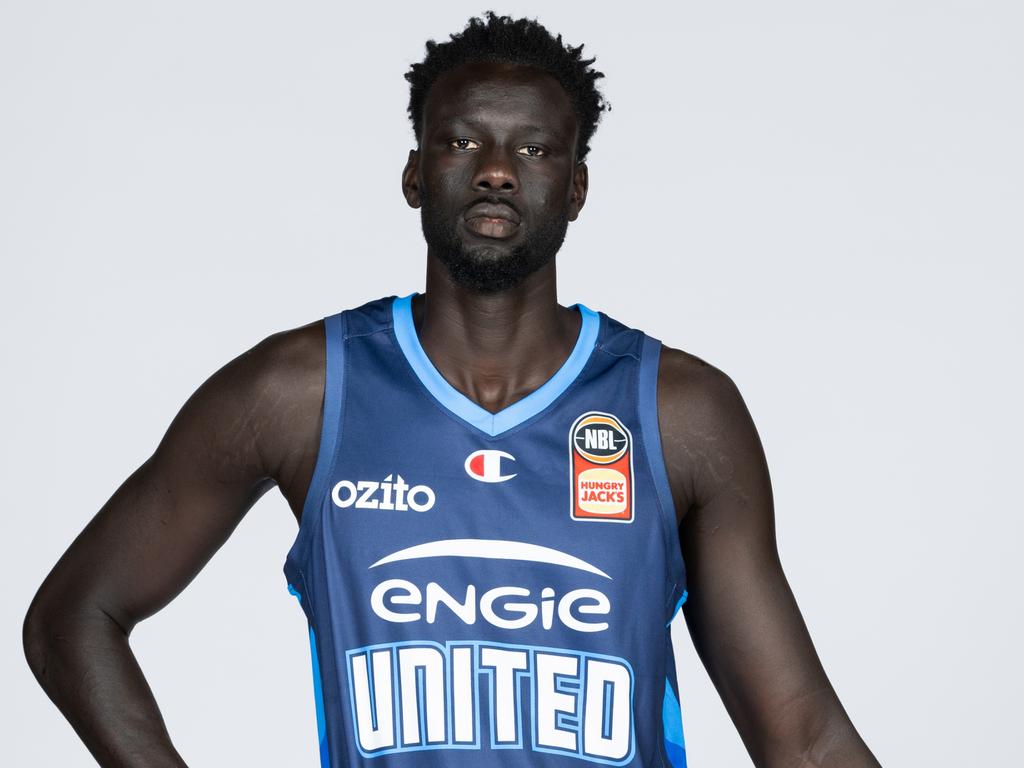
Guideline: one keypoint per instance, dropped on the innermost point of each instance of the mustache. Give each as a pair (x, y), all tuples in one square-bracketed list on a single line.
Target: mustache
[(493, 200)]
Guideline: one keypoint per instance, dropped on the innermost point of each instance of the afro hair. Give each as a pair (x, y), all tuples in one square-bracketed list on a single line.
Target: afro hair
[(512, 41)]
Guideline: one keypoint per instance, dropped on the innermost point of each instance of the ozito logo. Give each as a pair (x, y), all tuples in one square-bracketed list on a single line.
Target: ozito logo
[(485, 466), (393, 494), (601, 463)]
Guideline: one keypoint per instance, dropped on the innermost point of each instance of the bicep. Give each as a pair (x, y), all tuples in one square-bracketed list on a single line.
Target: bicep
[(170, 516), (741, 613), (745, 623)]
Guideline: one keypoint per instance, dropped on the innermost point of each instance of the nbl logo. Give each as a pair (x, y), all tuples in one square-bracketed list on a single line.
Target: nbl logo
[(601, 459), (601, 439)]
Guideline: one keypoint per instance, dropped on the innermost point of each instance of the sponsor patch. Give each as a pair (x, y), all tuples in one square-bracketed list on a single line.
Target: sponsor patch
[(392, 494), (601, 457)]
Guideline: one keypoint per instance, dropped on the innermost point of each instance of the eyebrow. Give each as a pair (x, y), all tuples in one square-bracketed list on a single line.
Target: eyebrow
[(477, 124)]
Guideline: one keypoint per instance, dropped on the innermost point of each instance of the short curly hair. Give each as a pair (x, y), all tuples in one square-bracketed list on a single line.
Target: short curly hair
[(513, 41)]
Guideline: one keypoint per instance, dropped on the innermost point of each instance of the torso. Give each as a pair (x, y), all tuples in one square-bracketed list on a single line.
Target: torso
[(609, 642)]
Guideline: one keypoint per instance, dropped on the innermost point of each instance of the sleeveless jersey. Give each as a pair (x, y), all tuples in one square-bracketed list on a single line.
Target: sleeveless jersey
[(489, 589)]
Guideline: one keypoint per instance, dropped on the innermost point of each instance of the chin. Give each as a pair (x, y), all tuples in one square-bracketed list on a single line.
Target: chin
[(488, 254)]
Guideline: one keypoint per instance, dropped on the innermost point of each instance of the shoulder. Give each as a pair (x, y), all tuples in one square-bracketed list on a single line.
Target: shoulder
[(260, 411), (288, 362), (275, 371), (706, 430), (691, 388), (250, 420), (286, 374)]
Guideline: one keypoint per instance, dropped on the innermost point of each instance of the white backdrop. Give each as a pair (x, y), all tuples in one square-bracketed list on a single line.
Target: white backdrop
[(822, 199)]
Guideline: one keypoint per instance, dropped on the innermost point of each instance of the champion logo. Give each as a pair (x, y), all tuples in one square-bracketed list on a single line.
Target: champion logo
[(485, 466)]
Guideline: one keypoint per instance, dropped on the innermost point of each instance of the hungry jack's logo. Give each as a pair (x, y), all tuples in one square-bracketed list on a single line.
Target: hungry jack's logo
[(601, 458)]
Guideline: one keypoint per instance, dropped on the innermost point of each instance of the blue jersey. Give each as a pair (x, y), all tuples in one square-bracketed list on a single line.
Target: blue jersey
[(489, 589)]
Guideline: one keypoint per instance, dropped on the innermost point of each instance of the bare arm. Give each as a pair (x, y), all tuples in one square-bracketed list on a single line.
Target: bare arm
[(741, 613), (252, 424)]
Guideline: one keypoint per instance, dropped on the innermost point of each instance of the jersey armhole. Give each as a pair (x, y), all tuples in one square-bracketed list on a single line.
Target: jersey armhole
[(330, 431), (647, 404)]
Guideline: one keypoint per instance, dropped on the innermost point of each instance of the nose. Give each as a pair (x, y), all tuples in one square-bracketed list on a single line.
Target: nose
[(496, 169)]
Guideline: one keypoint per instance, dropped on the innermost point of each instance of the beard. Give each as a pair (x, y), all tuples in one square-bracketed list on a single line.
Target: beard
[(488, 268)]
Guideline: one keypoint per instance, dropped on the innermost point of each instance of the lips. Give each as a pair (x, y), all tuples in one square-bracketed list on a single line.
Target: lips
[(493, 220), (485, 226), (492, 211)]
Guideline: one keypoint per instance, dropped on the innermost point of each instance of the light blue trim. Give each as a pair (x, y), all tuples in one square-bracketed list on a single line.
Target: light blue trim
[(448, 396), (318, 692), (679, 605), (672, 727)]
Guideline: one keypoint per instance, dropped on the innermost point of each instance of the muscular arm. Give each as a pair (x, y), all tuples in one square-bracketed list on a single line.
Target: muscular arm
[(251, 425), (741, 614)]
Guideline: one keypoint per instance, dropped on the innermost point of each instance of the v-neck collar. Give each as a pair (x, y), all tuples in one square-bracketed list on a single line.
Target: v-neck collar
[(450, 398)]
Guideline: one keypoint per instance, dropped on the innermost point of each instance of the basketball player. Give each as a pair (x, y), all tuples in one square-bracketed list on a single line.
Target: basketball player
[(496, 494)]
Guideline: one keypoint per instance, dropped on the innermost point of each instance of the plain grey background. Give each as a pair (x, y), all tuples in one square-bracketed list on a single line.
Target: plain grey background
[(822, 199)]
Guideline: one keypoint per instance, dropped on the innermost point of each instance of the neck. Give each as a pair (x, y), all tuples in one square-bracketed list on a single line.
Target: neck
[(494, 348)]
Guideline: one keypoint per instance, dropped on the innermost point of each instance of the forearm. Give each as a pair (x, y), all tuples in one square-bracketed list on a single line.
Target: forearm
[(839, 746), (87, 668), (825, 739)]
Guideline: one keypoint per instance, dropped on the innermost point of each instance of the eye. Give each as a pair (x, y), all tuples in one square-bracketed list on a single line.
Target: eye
[(461, 144), (538, 151)]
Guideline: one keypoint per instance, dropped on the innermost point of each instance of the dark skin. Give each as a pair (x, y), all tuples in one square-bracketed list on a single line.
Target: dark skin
[(255, 423)]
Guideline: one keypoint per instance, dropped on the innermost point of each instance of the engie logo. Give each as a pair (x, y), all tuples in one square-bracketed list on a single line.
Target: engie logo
[(601, 463), (505, 606), (417, 694), (485, 466), (397, 495)]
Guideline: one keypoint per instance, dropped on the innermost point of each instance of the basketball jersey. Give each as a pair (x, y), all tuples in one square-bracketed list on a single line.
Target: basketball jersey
[(489, 589)]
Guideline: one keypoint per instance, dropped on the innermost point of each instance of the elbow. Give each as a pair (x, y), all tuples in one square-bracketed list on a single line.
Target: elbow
[(64, 632), (55, 631), (842, 745), (36, 640)]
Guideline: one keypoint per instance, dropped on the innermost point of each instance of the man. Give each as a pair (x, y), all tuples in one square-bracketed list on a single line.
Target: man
[(496, 494)]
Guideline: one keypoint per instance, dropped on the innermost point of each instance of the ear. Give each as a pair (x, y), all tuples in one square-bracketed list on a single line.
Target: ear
[(411, 179), (580, 183)]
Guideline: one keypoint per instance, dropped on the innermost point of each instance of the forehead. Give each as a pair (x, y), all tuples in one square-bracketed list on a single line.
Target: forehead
[(499, 93)]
